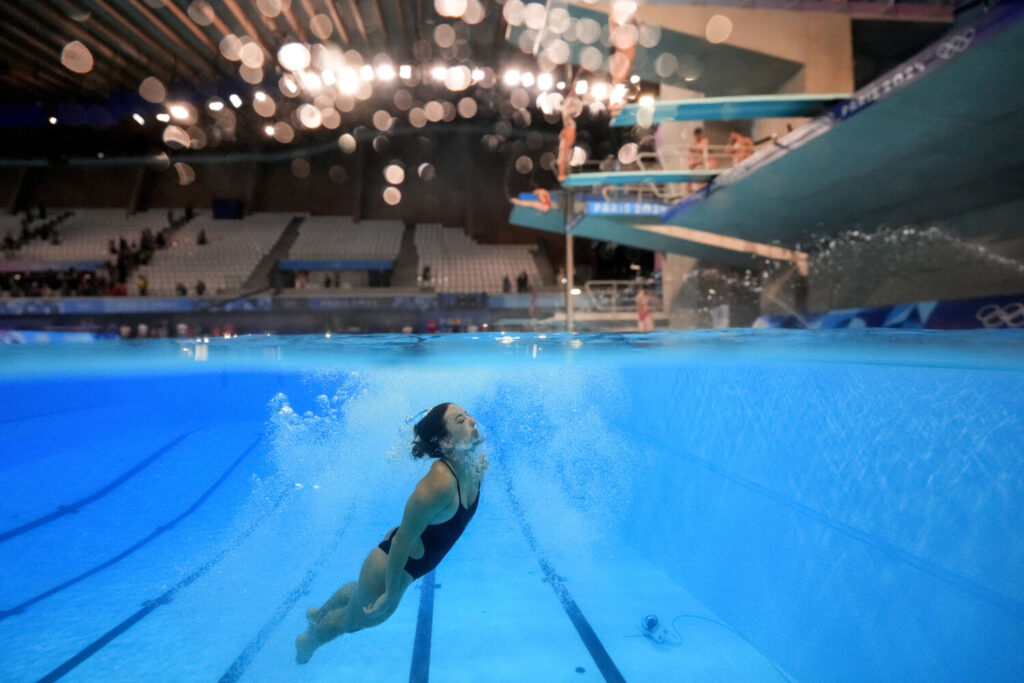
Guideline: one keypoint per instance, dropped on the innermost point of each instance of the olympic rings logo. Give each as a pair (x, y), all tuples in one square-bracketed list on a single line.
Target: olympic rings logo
[(994, 316), (955, 45)]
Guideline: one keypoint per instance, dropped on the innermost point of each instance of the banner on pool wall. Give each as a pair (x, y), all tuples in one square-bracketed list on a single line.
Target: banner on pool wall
[(472, 301), (1001, 312)]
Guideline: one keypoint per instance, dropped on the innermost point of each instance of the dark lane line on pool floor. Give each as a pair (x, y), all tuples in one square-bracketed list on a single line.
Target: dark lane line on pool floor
[(964, 583), (254, 646), (162, 599), (159, 531), (79, 504), (590, 639), (419, 670)]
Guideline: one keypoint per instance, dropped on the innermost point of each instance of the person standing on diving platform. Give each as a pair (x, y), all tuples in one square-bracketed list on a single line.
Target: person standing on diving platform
[(435, 516)]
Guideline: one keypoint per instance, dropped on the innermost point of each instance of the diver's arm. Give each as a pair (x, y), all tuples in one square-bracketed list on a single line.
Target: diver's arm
[(431, 496)]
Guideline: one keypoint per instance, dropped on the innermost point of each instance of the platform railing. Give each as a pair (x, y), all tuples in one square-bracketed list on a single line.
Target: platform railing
[(614, 296)]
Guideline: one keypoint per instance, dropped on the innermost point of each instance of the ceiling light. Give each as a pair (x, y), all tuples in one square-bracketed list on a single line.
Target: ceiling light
[(163, 118), (235, 100), (138, 119), (512, 77)]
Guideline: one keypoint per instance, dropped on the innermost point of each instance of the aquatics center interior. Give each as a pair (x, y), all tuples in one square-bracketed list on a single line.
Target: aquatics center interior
[(734, 290)]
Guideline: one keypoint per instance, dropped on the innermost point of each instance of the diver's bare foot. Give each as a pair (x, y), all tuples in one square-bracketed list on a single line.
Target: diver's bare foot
[(313, 616), (305, 646)]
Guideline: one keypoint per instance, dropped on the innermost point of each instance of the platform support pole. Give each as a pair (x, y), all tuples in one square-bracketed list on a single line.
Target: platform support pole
[(569, 265)]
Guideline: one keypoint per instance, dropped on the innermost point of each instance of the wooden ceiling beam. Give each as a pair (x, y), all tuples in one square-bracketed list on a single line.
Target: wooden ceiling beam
[(257, 32), (298, 30), (63, 82), (169, 61), (406, 43), (379, 16), (182, 50), (192, 28), (51, 46), (104, 58), (332, 12), (359, 23)]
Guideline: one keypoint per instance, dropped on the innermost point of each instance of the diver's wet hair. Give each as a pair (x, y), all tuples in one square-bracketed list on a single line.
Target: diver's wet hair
[(429, 431)]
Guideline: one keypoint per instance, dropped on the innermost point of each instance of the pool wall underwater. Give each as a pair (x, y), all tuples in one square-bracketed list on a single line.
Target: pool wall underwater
[(848, 505)]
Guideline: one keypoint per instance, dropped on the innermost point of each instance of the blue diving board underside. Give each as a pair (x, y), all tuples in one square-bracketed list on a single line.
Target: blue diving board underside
[(639, 177), (731, 108)]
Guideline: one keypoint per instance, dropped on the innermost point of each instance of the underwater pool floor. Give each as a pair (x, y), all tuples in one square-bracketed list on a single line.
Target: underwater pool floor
[(170, 577)]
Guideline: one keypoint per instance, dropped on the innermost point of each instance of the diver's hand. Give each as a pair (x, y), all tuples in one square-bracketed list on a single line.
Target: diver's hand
[(381, 608)]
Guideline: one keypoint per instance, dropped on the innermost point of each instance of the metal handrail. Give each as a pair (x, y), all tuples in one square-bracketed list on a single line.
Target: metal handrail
[(618, 295)]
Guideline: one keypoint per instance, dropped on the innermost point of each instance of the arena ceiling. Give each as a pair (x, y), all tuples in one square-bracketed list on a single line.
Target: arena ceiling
[(196, 41), (107, 76)]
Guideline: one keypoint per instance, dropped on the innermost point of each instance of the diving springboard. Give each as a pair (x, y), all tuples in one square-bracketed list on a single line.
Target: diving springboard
[(699, 175), (728, 108)]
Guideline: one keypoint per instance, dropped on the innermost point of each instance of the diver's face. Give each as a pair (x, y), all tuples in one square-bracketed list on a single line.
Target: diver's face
[(462, 431)]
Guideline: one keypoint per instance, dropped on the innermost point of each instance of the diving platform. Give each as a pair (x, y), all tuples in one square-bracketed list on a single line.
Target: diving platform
[(933, 142), (623, 178), (727, 108)]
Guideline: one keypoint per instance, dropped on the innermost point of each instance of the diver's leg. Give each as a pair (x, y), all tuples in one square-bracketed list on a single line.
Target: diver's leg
[(336, 601), (350, 618)]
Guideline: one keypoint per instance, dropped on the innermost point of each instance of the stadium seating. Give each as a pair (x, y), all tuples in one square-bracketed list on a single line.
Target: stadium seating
[(459, 264), (232, 251), (338, 238)]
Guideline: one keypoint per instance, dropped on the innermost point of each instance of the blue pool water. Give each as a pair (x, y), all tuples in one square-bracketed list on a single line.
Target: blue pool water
[(794, 506)]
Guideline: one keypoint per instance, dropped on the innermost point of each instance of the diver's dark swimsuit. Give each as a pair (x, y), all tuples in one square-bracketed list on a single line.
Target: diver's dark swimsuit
[(437, 539)]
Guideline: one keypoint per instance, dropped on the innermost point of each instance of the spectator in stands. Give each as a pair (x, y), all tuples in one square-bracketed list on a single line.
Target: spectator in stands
[(327, 281), (426, 275), (112, 247), (143, 285), (431, 326), (9, 243), (161, 241), (522, 282), (201, 240), (200, 288), (122, 245), (506, 285), (740, 146), (180, 289)]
